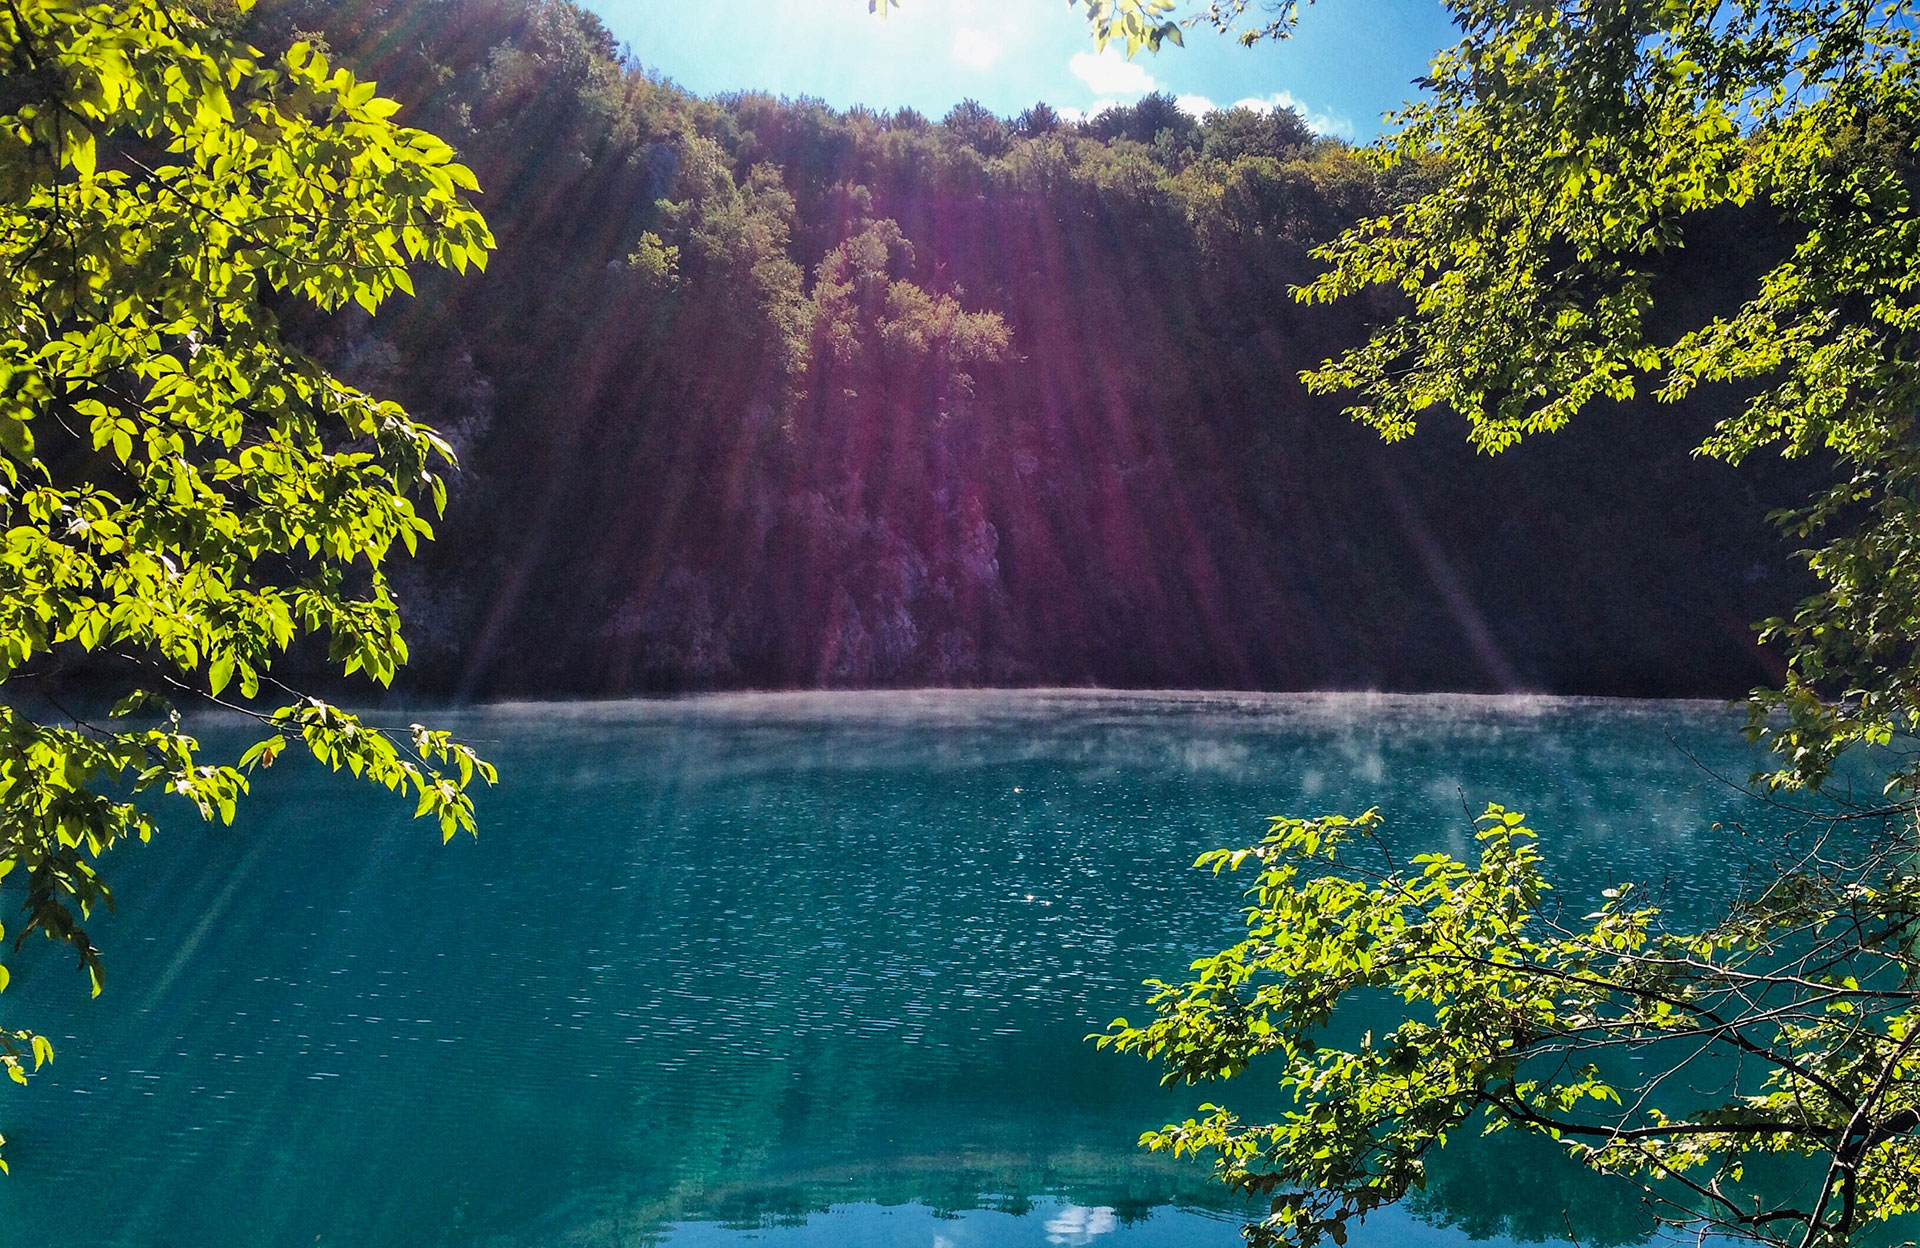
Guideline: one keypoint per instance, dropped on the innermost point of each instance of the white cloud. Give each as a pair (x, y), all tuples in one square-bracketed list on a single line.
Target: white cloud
[(1195, 105), (1073, 116), (976, 49), (1110, 73), (1326, 124)]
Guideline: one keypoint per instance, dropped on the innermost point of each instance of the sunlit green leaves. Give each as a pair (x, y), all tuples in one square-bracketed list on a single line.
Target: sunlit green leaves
[(218, 495), (1576, 144), (1136, 24), (1149, 24), (20, 1053), (1517, 1018)]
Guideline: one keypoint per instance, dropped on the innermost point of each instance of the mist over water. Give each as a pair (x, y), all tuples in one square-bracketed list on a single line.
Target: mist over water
[(816, 968)]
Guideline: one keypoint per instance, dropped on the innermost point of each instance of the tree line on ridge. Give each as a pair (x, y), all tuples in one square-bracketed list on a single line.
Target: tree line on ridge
[(758, 393)]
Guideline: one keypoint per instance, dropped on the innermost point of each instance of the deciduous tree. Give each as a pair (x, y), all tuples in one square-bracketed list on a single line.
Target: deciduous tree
[(1575, 146), (184, 494)]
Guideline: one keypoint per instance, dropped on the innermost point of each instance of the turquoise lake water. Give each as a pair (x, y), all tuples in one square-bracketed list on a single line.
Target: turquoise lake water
[(792, 970)]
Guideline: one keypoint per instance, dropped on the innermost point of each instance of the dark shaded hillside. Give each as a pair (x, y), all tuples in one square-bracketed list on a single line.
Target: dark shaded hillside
[(760, 394)]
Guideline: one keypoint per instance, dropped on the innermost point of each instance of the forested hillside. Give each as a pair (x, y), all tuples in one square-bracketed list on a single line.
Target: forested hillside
[(757, 393)]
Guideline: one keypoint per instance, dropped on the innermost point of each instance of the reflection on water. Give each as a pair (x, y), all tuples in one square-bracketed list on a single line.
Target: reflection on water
[(1076, 1226), (812, 969), (917, 1226)]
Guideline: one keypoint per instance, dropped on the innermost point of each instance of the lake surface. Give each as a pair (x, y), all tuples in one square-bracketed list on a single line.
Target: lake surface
[(787, 970)]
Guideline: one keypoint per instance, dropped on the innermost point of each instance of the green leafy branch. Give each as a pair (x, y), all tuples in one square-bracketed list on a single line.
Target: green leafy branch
[(1150, 24), (182, 492), (1573, 149), (1523, 1022)]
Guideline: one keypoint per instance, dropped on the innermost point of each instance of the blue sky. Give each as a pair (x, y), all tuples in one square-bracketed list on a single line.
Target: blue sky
[(1349, 62)]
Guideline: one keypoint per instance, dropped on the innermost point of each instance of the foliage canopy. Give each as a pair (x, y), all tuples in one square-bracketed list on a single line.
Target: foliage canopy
[(184, 494), (1580, 143), (1574, 145), (1797, 1016)]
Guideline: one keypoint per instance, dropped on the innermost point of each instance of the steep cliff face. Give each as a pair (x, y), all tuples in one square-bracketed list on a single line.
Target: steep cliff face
[(760, 394)]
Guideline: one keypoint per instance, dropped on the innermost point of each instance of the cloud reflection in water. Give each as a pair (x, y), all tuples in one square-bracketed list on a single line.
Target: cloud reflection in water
[(1075, 1226)]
